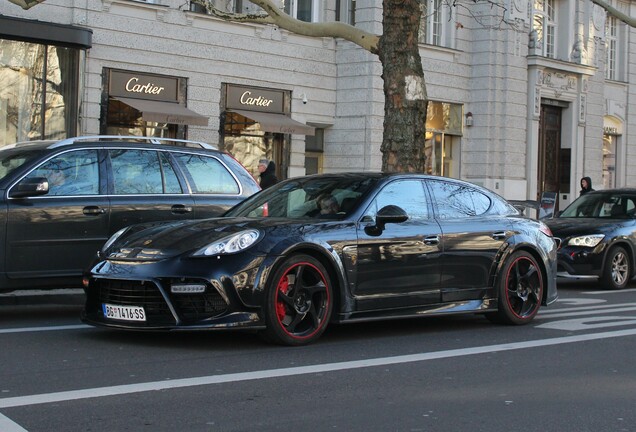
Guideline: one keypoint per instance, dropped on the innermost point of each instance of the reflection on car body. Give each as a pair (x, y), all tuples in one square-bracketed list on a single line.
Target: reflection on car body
[(401, 245), (597, 235)]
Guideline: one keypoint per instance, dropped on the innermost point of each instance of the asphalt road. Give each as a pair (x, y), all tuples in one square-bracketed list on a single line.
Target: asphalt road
[(572, 369)]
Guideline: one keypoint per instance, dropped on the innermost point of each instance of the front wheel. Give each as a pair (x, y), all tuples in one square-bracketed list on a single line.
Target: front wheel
[(617, 270), (520, 290), (298, 302)]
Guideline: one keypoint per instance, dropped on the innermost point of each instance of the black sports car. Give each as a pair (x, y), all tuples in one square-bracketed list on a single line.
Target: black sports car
[(328, 248), (598, 237)]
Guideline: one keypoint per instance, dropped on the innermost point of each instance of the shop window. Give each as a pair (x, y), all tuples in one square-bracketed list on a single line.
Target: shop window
[(609, 161), (304, 10), (436, 27), (544, 23), (346, 11), (38, 96), (123, 119), (314, 149)]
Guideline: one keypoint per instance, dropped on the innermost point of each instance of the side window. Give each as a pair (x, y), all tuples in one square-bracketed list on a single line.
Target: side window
[(71, 173), (407, 194), (207, 175), (136, 172), (458, 201)]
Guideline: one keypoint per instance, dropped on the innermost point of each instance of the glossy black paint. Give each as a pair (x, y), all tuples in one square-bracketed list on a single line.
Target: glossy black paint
[(412, 267), (49, 241), (618, 230)]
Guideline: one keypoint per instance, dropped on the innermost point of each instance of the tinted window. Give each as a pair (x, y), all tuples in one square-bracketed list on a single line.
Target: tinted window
[(456, 200), (71, 173), (407, 194), (207, 175), (141, 172)]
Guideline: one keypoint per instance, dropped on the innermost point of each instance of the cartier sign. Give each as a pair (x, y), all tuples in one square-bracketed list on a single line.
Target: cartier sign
[(143, 86), (254, 99)]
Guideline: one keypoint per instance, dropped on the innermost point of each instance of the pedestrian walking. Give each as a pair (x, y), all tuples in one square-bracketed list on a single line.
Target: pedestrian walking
[(267, 169), (586, 185)]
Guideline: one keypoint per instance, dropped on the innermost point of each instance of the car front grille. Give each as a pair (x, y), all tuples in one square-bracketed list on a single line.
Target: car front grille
[(189, 307), (197, 306), (136, 293)]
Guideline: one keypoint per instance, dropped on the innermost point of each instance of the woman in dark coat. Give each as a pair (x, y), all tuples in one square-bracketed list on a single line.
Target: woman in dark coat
[(586, 185), (268, 173)]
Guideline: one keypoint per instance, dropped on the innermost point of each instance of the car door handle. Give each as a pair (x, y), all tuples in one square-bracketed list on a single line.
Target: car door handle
[(431, 240), (499, 235), (93, 210), (181, 209)]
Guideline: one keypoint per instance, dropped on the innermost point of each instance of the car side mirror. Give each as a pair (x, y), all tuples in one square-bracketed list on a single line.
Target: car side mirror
[(30, 186), (387, 214)]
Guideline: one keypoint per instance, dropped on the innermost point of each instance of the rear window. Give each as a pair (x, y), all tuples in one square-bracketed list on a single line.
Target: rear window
[(207, 175)]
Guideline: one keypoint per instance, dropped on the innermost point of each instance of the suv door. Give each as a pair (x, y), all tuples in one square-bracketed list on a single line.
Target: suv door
[(145, 187), (57, 234)]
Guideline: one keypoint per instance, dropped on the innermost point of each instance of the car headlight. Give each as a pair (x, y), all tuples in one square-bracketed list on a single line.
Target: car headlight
[(113, 239), (588, 240), (231, 244)]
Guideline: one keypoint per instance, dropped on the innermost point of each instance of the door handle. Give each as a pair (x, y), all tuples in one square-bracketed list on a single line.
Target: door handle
[(499, 235), (181, 209), (93, 210), (431, 240)]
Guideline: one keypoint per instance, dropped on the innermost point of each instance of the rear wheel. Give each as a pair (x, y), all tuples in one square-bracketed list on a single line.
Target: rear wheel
[(520, 290), (617, 270), (299, 302)]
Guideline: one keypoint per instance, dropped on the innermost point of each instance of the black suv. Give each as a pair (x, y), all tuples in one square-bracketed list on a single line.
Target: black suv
[(61, 200)]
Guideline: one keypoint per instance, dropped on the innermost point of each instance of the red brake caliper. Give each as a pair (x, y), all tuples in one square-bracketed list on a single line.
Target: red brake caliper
[(283, 287)]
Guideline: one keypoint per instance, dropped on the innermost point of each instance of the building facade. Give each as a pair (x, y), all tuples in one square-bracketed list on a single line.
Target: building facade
[(526, 97)]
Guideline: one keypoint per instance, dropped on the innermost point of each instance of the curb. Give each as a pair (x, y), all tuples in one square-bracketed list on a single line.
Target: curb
[(40, 297)]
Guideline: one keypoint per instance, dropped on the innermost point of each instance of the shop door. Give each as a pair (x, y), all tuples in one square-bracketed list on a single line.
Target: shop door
[(549, 151)]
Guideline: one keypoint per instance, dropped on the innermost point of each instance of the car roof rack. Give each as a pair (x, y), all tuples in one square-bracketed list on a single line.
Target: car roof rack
[(152, 140)]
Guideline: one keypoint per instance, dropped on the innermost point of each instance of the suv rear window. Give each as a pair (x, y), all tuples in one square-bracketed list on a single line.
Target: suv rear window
[(207, 175)]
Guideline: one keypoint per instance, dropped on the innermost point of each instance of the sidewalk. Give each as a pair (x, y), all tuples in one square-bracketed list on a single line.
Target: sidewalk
[(56, 296)]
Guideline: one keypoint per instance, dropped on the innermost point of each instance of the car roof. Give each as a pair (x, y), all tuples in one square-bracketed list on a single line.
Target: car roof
[(629, 190), (110, 140)]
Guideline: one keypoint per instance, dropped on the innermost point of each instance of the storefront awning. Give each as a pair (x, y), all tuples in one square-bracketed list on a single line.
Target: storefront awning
[(165, 112), (277, 123)]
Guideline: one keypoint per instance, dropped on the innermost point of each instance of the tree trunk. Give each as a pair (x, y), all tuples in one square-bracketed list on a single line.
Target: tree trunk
[(404, 88)]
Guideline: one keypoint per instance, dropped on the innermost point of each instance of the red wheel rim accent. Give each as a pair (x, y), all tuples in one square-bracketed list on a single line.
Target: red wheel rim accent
[(524, 288), (301, 306)]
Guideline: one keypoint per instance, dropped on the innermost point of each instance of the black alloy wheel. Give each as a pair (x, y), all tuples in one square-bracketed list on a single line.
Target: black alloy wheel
[(617, 270), (299, 302), (520, 290)]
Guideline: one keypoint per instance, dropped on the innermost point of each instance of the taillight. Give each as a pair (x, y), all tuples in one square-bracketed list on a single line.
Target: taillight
[(546, 230)]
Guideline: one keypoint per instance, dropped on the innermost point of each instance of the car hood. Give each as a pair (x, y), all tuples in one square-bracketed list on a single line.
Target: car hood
[(568, 227), (161, 240)]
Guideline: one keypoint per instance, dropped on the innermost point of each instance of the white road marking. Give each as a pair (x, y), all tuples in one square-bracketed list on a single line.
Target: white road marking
[(589, 323), (7, 425), (565, 313), (610, 291), (20, 401), (580, 301), (39, 329)]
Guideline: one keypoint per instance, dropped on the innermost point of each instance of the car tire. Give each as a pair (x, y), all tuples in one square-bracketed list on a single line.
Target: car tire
[(617, 270), (298, 302), (520, 290)]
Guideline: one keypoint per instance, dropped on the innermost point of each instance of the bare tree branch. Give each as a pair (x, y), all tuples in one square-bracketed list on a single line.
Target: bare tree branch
[(616, 13), (366, 40)]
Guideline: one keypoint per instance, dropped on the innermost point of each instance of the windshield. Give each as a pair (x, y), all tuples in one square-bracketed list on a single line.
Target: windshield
[(11, 159), (602, 205), (327, 197)]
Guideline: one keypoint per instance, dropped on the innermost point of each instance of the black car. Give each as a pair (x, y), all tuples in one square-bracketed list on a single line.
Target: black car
[(597, 235), (61, 200), (328, 248)]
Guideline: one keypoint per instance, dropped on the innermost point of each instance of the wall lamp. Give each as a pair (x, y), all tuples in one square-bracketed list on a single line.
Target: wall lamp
[(469, 119)]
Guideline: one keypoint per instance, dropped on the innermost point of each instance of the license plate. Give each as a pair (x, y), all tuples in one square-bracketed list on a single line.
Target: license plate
[(125, 313)]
